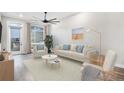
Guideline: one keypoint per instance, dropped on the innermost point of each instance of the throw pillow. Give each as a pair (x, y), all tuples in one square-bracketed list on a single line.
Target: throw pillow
[(73, 47), (40, 47), (79, 48), (66, 47)]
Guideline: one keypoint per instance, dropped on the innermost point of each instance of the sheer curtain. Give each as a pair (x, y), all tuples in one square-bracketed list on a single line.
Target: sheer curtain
[(26, 40), (28, 46)]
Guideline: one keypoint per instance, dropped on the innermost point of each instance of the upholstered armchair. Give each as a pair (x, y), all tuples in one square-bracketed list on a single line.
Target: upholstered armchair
[(94, 72), (38, 50)]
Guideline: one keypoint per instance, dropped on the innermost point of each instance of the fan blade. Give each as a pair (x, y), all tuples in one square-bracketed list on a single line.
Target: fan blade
[(51, 22), (52, 19)]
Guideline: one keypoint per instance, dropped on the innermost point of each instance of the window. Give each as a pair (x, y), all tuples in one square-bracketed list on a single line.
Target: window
[(36, 34), (15, 38)]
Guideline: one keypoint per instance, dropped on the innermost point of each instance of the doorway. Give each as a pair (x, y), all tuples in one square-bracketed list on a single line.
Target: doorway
[(15, 44)]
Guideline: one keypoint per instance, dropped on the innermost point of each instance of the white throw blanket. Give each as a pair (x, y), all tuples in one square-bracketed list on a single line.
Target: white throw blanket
[(90, 74)]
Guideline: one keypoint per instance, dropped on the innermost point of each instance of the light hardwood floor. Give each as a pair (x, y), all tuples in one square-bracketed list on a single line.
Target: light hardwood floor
[(21, 73)]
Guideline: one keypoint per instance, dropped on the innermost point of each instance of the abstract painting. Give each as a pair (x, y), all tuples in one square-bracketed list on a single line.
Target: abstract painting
[(77, 33)]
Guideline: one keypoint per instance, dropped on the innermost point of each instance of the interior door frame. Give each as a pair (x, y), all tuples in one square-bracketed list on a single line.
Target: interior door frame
[(9, 37)]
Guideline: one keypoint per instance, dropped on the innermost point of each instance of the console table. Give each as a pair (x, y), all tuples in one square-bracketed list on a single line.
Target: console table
[(7, 68)]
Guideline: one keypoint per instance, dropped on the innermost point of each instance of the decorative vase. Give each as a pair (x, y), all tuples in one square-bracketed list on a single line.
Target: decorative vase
[(1, 57)]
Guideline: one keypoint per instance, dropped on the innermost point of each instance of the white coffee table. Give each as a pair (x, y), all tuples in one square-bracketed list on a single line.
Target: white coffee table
[(49, 57), (52, 59)]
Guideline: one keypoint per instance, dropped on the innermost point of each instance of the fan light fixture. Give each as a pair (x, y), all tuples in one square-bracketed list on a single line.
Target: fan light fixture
[(45, 20)]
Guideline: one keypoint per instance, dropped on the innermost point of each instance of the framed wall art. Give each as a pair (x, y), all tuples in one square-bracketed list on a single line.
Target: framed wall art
[(77, 33)]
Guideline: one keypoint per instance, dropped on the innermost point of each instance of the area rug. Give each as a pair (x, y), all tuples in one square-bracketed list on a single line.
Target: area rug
[(69, 70)]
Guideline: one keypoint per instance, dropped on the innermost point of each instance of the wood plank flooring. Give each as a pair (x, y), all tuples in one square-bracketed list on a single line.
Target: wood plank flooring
[(21, 73)]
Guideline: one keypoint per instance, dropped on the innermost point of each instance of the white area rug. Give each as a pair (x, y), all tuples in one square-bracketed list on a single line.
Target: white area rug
[(68, 70)]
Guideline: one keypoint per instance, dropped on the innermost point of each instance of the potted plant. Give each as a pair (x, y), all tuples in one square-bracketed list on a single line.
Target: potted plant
[(48, 42)]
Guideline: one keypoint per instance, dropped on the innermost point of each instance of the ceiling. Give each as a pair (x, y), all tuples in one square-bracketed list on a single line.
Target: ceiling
[(30, 16)]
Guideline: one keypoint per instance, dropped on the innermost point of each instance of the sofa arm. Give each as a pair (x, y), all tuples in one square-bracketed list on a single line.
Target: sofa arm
[(95, 66), (91, 52), (57, 48)]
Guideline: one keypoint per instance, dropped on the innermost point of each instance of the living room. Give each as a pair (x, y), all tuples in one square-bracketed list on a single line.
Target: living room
[(79, 40)]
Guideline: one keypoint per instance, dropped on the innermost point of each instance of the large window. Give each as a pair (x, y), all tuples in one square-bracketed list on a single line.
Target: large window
[(36, 34)]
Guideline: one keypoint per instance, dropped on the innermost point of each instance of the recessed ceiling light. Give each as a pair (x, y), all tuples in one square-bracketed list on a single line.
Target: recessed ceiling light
[(20, 15)]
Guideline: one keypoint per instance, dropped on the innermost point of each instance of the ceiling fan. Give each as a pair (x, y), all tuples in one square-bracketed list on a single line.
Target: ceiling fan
[(45, 20)]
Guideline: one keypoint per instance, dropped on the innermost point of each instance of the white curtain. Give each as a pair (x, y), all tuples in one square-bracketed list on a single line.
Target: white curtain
[(26, 40), (28, 44)]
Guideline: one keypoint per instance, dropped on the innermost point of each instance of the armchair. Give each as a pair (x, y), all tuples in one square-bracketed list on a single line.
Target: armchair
[(38, 50), (100, 71)]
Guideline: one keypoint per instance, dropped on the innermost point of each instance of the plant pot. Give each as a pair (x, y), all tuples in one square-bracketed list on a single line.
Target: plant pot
[(49, 51)]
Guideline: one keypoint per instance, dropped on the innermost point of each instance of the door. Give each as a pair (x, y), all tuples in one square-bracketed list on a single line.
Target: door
[(15, 38)]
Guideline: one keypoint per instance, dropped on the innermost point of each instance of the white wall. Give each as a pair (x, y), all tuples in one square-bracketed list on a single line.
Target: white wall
[(111, 26), (113, 37), (62, 32)]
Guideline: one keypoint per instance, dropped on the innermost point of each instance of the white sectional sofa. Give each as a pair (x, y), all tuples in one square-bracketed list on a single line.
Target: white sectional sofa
[(73, 54)]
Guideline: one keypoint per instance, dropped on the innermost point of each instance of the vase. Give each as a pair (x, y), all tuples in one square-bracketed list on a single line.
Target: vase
[(1, 57)]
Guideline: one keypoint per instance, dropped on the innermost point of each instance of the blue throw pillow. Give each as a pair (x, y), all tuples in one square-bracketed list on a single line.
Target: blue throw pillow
[(40, 47), (66, 47), (79, 48)]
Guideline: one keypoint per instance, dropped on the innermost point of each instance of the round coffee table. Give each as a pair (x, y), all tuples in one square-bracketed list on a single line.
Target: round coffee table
[(52, 59), (49, 57)]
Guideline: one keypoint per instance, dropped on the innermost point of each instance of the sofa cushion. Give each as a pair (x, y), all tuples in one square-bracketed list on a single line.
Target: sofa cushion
[(79, 48), (70, 54), (73, 47), (78, 55), (66, 47), (63, 52), (40, 47)]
